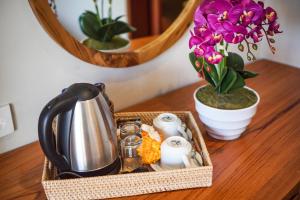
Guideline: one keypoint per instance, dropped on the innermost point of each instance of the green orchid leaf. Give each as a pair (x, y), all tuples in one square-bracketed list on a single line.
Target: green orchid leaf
[(235, 61), (104, 30), (248, 74), (208, 78), (105, 21), (117, 18), (195, 61), (207, 73), (239, 83), (90, 25), (209, 70), (224, 72), (120, 27), (222, 68), (108, 31), (212, 71), (228, 81)]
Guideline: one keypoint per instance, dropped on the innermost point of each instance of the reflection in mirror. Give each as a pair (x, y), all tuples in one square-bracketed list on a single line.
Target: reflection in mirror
[(116, 25)]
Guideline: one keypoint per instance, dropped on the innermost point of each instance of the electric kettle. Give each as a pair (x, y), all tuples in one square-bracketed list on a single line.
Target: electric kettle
[(85, 143)]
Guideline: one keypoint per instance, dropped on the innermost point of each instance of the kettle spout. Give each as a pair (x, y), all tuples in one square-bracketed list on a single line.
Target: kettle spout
[(101, 87)]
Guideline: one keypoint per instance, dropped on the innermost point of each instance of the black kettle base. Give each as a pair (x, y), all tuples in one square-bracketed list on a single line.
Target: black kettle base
[(111, 169)]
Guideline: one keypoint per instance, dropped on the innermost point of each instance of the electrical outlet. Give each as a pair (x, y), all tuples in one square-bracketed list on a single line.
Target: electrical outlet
[(6, 121)]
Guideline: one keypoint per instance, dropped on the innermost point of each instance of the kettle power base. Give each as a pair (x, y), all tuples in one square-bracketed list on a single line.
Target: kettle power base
[(120, 185), (114, 168)]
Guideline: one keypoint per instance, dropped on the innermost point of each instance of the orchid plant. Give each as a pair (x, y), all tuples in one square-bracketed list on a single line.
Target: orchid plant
[(100, 29), (219, 23)]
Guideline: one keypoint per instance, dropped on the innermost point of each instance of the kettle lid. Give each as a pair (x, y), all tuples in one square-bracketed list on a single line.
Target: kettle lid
[(83, 91)]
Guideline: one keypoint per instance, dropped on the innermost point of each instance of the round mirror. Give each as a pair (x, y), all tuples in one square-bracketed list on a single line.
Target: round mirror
[(115, 33)]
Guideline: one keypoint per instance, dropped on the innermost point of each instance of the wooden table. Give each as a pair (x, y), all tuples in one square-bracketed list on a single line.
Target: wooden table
[(263, 164)]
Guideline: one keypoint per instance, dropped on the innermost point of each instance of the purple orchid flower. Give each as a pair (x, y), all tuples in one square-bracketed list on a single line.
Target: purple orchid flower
[(273, 29), (202, 31), (200, 50), (215, 38), (203, 34), (208, 7), (195, 40), (199, 46), (240, 2), (201, 28), (212, 56), (199, 18), (233, 21), (261, 3), (217, 17), (237, 35), (270, 14), (256, 34), (247, 13), (208, 38)]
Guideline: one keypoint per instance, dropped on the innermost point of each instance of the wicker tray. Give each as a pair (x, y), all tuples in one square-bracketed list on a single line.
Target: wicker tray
[(134, 183)]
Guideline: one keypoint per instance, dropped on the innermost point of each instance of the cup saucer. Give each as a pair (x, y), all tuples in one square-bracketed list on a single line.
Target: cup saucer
[(158, 167), (196, 161)]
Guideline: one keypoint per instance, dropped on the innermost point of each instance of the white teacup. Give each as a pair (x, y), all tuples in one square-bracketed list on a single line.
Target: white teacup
[(175, 153), (169, 125)]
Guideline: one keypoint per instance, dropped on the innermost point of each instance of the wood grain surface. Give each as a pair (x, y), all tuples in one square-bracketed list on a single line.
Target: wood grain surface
[(59, 34), (263, 164), (142, 41)]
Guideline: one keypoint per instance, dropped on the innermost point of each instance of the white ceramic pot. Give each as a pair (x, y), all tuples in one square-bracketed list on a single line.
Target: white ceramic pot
[(119, 50), (225, 124)]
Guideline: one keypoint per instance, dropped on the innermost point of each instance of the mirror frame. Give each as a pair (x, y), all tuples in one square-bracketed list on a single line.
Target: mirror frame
[(52, 26)]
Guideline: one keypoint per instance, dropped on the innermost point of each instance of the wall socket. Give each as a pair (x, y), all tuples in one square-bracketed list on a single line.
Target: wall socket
[(6, 121)]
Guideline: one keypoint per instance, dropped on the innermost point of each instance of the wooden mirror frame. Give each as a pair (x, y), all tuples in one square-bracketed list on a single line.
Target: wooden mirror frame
[(58, 33)]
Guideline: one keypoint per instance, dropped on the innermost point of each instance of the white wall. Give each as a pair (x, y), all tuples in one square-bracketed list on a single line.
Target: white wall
[(34, 69)]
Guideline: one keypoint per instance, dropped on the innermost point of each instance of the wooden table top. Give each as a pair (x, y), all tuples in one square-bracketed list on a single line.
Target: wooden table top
[(263, 164)]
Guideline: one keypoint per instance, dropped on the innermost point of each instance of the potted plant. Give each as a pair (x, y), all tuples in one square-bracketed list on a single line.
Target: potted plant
[(225, 105), (103, 32)]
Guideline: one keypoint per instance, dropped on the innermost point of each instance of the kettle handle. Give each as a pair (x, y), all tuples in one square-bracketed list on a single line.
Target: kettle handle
[(62, 103)]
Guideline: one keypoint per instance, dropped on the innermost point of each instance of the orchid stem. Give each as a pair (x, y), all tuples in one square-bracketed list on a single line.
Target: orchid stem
[(249, 51), (202, 69), (222, 64), (271, 47), (102, 8), (98, 14), (110, 10)]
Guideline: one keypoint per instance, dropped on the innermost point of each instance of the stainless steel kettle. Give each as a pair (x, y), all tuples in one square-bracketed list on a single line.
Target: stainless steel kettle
[(86, 140)]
